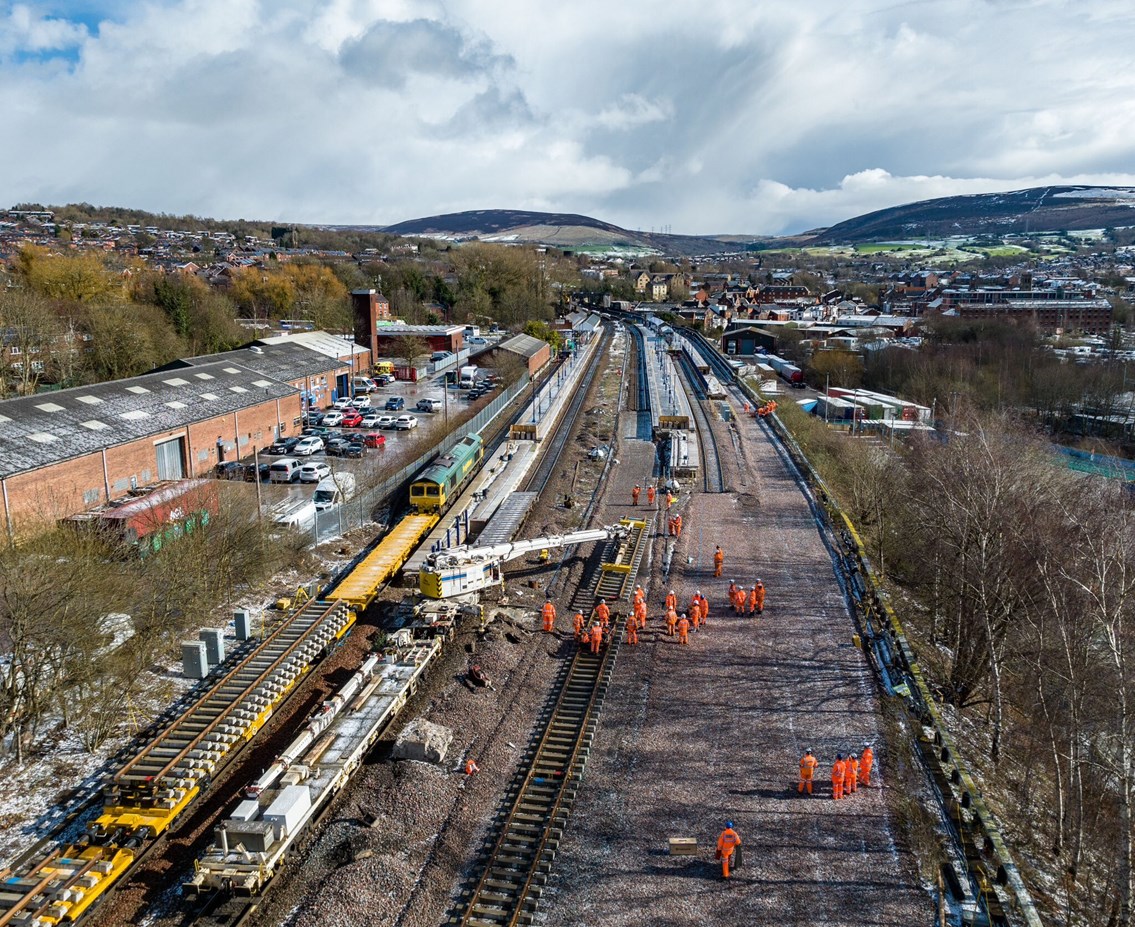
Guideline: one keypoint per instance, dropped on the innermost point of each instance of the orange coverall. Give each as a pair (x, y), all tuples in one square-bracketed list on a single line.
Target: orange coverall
[(684, 630), (837, 779), (726, 844), (738, 600), (596, 638), (808, 764), (549, 617), (850, 775), (866, 761), (603, 613), (471, 767), (635, 494), (579, 622), (632, 632), (718, 561), (640, 613), (639, 595), (650, 493), (677, 526), (671, 600), (694, 611), (752, 600), (704, 610), (760, 598), (671, 621)]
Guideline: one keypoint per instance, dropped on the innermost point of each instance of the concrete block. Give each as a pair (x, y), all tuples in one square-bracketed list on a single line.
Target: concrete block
[(424, 741)]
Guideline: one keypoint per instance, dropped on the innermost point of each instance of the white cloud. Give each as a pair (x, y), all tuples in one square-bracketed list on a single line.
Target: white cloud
[(727, 116)]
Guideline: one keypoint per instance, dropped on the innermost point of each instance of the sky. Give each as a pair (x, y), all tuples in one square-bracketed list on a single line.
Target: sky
[(707, 117)]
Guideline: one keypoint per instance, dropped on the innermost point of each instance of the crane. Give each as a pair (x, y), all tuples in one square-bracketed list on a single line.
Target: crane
[(457, 570)]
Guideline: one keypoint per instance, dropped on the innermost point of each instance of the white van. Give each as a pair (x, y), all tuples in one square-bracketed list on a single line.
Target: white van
[(299, 513), (284, 470), (333, 490), (363, 385), (468, 377)]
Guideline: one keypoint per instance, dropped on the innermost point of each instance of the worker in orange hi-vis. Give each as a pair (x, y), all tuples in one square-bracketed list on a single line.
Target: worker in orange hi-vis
[(639, 595), (866, 761), (683, 630), (727, 844), (733, 592), (669, 500), (578, 621), (694, 611), (471, 767), (671, 621), (718, 560), (669, 526), (639, 616), (671, 599), (837, 777), (549, 616), (651, 492), (737, 599), (753, 600), (677, 526), (596, 637), (603, 612), (635, 493), (632, 632), (808, 764), (760, 587), (850, 774), (704, 609)]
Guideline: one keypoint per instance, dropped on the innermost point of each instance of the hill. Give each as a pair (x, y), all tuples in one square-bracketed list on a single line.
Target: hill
[(1033, 211)]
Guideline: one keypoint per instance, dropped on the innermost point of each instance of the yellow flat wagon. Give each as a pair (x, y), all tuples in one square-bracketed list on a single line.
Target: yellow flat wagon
[(360, 586)]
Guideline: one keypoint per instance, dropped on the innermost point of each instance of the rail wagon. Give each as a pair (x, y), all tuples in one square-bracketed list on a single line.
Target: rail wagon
[(438, 485)]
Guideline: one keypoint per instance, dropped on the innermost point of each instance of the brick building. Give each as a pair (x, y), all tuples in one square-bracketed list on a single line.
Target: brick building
[(391, 340), (64, 452)]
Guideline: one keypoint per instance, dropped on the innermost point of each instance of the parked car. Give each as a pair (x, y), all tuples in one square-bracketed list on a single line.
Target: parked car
[(475, 340), (228, 470), (252, 471), (405, 422), (370, 420), (374, 439), (440, 356), (318, 431), (428, 405), (386, 421), (305, 447), (336, 447), (283, 446), (361, 401), (313, 471), (285, 470), (343, 402), (313, 417), (395, 404), (333, 418), (352, 419), (354, 449), (474, 393)]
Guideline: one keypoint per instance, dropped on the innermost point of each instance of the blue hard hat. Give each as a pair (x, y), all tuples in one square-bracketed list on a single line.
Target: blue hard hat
[(729, 825)]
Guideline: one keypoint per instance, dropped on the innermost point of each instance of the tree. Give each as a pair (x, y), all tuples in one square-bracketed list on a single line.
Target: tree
[(412, 348), (836, 368), (32, 335), (79, 277)]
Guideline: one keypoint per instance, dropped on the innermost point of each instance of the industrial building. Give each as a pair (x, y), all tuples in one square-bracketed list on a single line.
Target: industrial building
[(392, 340), (536, 353)]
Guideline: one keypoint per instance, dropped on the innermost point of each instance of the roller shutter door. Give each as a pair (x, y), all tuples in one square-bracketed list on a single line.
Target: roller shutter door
[(171, 465)]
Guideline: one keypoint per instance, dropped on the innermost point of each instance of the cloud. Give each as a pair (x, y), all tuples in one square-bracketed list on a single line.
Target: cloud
[(746, 117)]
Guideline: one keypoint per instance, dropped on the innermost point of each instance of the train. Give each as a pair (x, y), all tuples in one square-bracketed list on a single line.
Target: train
[(789, 371), (438, 486)]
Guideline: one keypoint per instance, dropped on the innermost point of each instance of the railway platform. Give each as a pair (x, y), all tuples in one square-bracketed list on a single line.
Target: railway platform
[(669, 406)]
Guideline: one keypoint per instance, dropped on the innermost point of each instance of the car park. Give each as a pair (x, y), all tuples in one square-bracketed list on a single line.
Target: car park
[(333, 418), (352, 419), (374, 439), (313, 471), (386, 421), (405, 422), (305, 447), (395, 404), (283, 446)]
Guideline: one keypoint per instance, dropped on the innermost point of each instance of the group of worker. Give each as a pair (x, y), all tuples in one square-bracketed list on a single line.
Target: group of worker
[(752, 601), (651, 495), (848, 773)]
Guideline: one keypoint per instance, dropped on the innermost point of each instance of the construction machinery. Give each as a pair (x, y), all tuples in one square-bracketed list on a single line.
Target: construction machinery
[(458, 570)]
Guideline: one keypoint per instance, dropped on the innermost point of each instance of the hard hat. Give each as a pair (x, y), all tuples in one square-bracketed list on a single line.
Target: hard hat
[(729, 825), (671, 592), (698, 592), (807, 749), (851, 756), (839, 756)]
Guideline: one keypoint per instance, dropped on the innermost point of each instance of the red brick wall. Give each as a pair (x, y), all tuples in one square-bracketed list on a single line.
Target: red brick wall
[(40, 497)]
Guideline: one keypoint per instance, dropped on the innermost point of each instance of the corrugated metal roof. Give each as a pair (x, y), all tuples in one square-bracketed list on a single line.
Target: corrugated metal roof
[(323, 342), (524, 345), (287, 361), (37, 431)]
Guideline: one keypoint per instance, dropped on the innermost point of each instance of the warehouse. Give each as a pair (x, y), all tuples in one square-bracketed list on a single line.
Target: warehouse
[(536, 353), (66, 451)]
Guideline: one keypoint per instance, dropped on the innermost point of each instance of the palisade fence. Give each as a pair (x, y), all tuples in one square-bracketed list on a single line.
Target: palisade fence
[(391, 490)]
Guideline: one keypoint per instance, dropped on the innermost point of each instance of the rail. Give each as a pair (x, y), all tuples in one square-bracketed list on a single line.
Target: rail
[(713, 480)]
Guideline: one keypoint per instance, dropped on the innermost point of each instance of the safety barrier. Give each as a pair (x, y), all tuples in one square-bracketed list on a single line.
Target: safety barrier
[(990, 869)]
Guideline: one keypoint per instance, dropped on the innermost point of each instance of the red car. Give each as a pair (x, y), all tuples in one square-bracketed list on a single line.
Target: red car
[(352, 419), (374, 439)]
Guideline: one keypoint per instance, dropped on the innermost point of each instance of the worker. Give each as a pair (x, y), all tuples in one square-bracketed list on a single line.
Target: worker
[(718, 560), (727, 844), (866, 761), (578, 621), (632, 632), (837, 777), (596, 637), (677, 526), (471, 767), (671, 621), (635, 493), (850, 774), (808, 764), (639, 616), (760, 587), (639, 595), (671, 599), (479, 677), (733, 592), (704, 609), (694, 611), (752, 600), (737, 599), (651, 492), (669, 500), (683, 629), (669, 526), (549, 616), (603, 612)]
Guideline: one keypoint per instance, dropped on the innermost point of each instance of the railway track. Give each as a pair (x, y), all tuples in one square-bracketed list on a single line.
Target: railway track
[(527, 832), (713, 481)]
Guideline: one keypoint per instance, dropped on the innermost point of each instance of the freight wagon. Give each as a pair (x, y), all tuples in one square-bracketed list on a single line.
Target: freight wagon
[(790, 372)]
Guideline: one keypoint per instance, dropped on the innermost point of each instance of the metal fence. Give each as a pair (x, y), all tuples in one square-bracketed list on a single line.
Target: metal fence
[(361, 510)]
